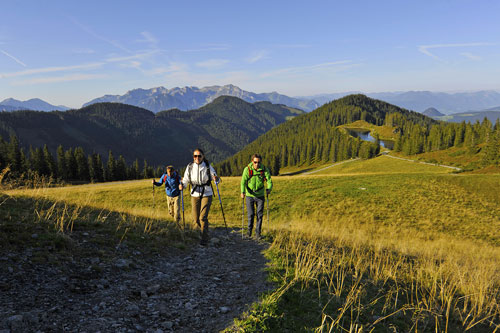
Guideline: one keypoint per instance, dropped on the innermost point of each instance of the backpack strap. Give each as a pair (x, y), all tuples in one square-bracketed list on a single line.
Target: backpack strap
[(250, 175)]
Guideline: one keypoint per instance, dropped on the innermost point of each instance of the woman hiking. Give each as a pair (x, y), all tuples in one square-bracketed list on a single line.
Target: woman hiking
[(199, 175)]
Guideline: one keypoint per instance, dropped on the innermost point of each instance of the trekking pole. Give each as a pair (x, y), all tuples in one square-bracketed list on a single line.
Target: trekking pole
[(222, 209), (242, 215), (153, 197), (267, 197), (182, 200)]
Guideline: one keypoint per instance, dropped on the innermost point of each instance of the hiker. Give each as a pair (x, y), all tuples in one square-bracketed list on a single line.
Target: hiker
[(254, 190), (199, 175), (172, 181)]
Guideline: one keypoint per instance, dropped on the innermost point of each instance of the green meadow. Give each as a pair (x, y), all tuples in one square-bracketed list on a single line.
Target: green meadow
[(380, 245)]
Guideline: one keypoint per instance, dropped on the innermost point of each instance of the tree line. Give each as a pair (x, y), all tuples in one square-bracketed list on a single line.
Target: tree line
[(71, 165), (478, 137)]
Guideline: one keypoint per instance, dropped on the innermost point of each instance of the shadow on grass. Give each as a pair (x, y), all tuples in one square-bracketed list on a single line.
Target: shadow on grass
[(29, 222)]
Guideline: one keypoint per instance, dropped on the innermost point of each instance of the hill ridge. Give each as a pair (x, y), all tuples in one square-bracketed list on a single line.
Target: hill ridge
[(221, 128)]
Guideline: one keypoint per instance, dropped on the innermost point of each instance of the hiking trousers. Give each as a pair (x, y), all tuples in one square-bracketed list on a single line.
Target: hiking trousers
[(253, 202), (174, 207), (200, 208)]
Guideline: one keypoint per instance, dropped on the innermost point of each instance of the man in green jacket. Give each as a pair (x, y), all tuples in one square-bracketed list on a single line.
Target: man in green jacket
[(255, 184)]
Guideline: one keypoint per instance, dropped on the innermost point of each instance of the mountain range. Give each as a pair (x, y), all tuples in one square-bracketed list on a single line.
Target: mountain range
[(36, 104), (419, 101), (221, 128), (471, 116), (189, 98)]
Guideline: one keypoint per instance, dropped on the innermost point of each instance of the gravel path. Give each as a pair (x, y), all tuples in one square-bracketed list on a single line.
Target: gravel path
[(197, 290)]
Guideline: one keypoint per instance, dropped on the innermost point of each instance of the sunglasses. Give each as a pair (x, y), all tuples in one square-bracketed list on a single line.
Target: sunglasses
[(196, 156), (256, 162)]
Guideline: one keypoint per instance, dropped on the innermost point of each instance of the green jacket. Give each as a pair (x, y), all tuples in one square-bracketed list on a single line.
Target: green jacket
[(256, 186)]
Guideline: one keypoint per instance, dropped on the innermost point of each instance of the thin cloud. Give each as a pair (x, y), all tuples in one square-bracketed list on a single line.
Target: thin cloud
[(214, 47), (148, 38), (132, 57), (471, 56), (425, 48), (132, 64), (51, 70), (339, 65), (14, 58), (212, 63), (257, 56), (57, 79), (83, 51), (293, 46), (92, 33)]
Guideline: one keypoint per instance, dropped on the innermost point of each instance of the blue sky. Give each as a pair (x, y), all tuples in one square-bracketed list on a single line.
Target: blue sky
[(69, 52)]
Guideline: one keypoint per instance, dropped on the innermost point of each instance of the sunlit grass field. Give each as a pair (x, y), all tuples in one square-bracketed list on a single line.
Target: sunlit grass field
[(380, 245)]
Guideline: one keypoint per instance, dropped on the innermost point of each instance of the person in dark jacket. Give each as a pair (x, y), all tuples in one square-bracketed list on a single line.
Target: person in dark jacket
[(171, 179)]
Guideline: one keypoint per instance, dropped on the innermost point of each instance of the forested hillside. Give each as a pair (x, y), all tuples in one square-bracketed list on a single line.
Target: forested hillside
[(221, 128), (316, 138)]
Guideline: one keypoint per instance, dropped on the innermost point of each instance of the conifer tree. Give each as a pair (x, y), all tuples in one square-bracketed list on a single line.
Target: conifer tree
[(275, 165), (136, 171), (72, 166), (14, 155), (82, 164), (49, 160), (62, 170), (491, 154), (39, 163), (99, 168), (145, 170), (109, 173), (121, 169)]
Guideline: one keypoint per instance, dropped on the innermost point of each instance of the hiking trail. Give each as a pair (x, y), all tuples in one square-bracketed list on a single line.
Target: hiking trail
[(200, 289)]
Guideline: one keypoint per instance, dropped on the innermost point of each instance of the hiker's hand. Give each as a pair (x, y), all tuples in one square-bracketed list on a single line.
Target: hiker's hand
[(243, 195), (154, 182), (268, 191), (180, 187), (217, 179)]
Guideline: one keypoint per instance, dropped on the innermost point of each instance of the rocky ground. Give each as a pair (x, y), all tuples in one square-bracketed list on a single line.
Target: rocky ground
[(199, 289)]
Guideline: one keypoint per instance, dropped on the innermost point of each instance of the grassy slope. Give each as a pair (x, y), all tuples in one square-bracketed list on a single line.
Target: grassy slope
[(411, 239), (384, 132)]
